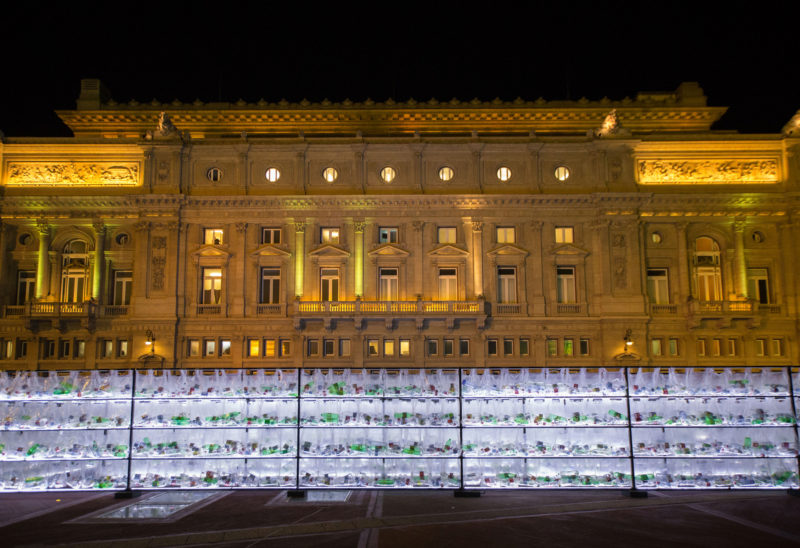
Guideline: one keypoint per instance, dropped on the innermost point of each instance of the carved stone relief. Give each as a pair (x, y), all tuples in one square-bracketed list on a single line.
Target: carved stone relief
[(707, 171), (73, 173), (158, 262)]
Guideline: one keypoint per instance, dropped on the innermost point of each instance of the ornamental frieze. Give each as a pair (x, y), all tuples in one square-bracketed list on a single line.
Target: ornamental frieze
[(72, 174), (707, 171)]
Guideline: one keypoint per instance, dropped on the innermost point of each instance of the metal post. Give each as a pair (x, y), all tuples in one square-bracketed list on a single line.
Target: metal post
[(461, 492), (794, 492), (128, 493), (634, 492)]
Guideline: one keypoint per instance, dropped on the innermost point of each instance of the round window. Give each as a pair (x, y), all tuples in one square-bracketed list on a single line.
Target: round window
[(388, 174), (504, 173), (272, 174), (758, 237), (446, 173), (655, 237), (214, 174), (562, 173), (122, 238), (25, 239), (330, 174)]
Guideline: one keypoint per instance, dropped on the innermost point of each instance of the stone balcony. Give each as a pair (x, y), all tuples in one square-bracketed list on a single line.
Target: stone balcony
[(389, 311), (727, 311)]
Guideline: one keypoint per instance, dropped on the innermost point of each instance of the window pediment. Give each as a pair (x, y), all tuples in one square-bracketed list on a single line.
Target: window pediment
[(569, 250), (211, 255), (329, 251), (390, 251), (448, 251), (269, 250), (506, 250)]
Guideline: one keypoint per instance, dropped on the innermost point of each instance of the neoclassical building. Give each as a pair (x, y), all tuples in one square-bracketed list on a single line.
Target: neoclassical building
[(391, 234)]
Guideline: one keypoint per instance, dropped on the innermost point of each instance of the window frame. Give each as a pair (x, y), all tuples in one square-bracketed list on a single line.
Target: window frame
[(443, 235), (209, 236), (564, 234), (506, 234), (391, 233), (272, 231), (327, 236)]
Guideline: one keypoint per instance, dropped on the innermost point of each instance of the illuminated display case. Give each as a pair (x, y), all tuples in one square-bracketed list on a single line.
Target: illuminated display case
[(477, 428)]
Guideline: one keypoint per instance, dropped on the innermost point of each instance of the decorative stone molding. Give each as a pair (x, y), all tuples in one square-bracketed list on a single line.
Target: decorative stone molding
[(299, 226), (477, 226), (73, 174), (708, 171), (359, 226)]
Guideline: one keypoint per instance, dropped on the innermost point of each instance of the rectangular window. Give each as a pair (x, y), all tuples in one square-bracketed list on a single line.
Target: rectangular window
[(491, 347), (552, 347), (270, 348), (448, 347), (48, 348), (271, 236), (508, 347), (506, 235), (286, 348), (565, 284), (655, 347), (761, 347), (657, 285), (123, 284), (463, 347), (107, 348), (584, 347), (673, 347), (731, 347), (22, 348), (209, 348), (122, 348), (716, 347), (524, 347), (388, 348), (405, 347), (373, 347), (387, 235), (329, 282), (758, 285), (65, 349), (344, 348), (26, 286), (253, 348), (212, 286), (433, 347), (777, 347), (569, 347), (329, 235), (328, 348), (447, 235), (701, 347), (388, 284), (8, 349), (313, 347), (270, 286), (448, 289), (564, 235), (212, 236), (506, 284), (225, 347)]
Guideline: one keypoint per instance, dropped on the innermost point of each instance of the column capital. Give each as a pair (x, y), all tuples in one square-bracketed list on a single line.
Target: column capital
[(359, 226), (42, 227), (418, 225), (477, 226), (739, 225), (99, 227), (240, 227), (299, 226)]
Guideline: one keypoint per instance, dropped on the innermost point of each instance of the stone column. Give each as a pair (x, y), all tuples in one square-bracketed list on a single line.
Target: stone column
[(5, 290), (299, 256), (358, 228), (477, 258), (43, 265), (684, 279), (418, 245), (240, 300), (740, 266), (99, 259)]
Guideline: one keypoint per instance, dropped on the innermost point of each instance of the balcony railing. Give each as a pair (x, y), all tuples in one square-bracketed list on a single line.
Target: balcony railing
[(209, 309), (569, 308), (722, 307), (508, 308), (389, 307), (271, 309), (663, 308), (115, 310)]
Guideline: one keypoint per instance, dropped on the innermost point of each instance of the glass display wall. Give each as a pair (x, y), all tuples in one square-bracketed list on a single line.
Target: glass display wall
[(473, 428)]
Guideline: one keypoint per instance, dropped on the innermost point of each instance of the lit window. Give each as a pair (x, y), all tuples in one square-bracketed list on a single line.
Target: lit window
[(657, 285), (433, 347), (269, 348), (569, 347), (552, 347), (214, 174), (212, 286), (122, 348), (508, 347), (372, 347), (655, 347), (329, 284), (271, 236), (212, 236), (777, 347), (107, 348), (584, 347), (286, 348), (225, 347), (673, 347), (330, 174), (344, 348), (272, 174), (328, 347), (564, 234), (506, 285), (388, 284), (655, 237), (8, 350), (491, 347), (405, 347), (758, 285), (329, 235), (448, 290), (448, 347), (270, 286), (446, 173), (387, 235), (506, 235), (254, 348), (504, 173), (561, 173), (761, 347), (716, 347), (388, 347), (209, 347), (463, 347), (565, 284), (708, 277), (388, 174), (701, 347), (524, 347), (731, 347), (447, 235)]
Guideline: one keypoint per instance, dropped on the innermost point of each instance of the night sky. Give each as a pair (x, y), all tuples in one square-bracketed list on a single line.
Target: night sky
[(745, 56)]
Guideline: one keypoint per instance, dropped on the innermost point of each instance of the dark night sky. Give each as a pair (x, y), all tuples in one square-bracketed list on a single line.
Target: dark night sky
[(743, 58)]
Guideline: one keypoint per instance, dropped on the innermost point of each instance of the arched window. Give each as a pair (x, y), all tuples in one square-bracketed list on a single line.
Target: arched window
[(74, 271), (708, 276)]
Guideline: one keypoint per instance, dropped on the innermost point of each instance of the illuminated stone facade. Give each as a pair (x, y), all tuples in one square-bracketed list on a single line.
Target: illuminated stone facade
[(398, 235)]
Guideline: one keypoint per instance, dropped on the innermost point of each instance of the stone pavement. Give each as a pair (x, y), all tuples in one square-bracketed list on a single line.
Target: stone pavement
[(388, 519)]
